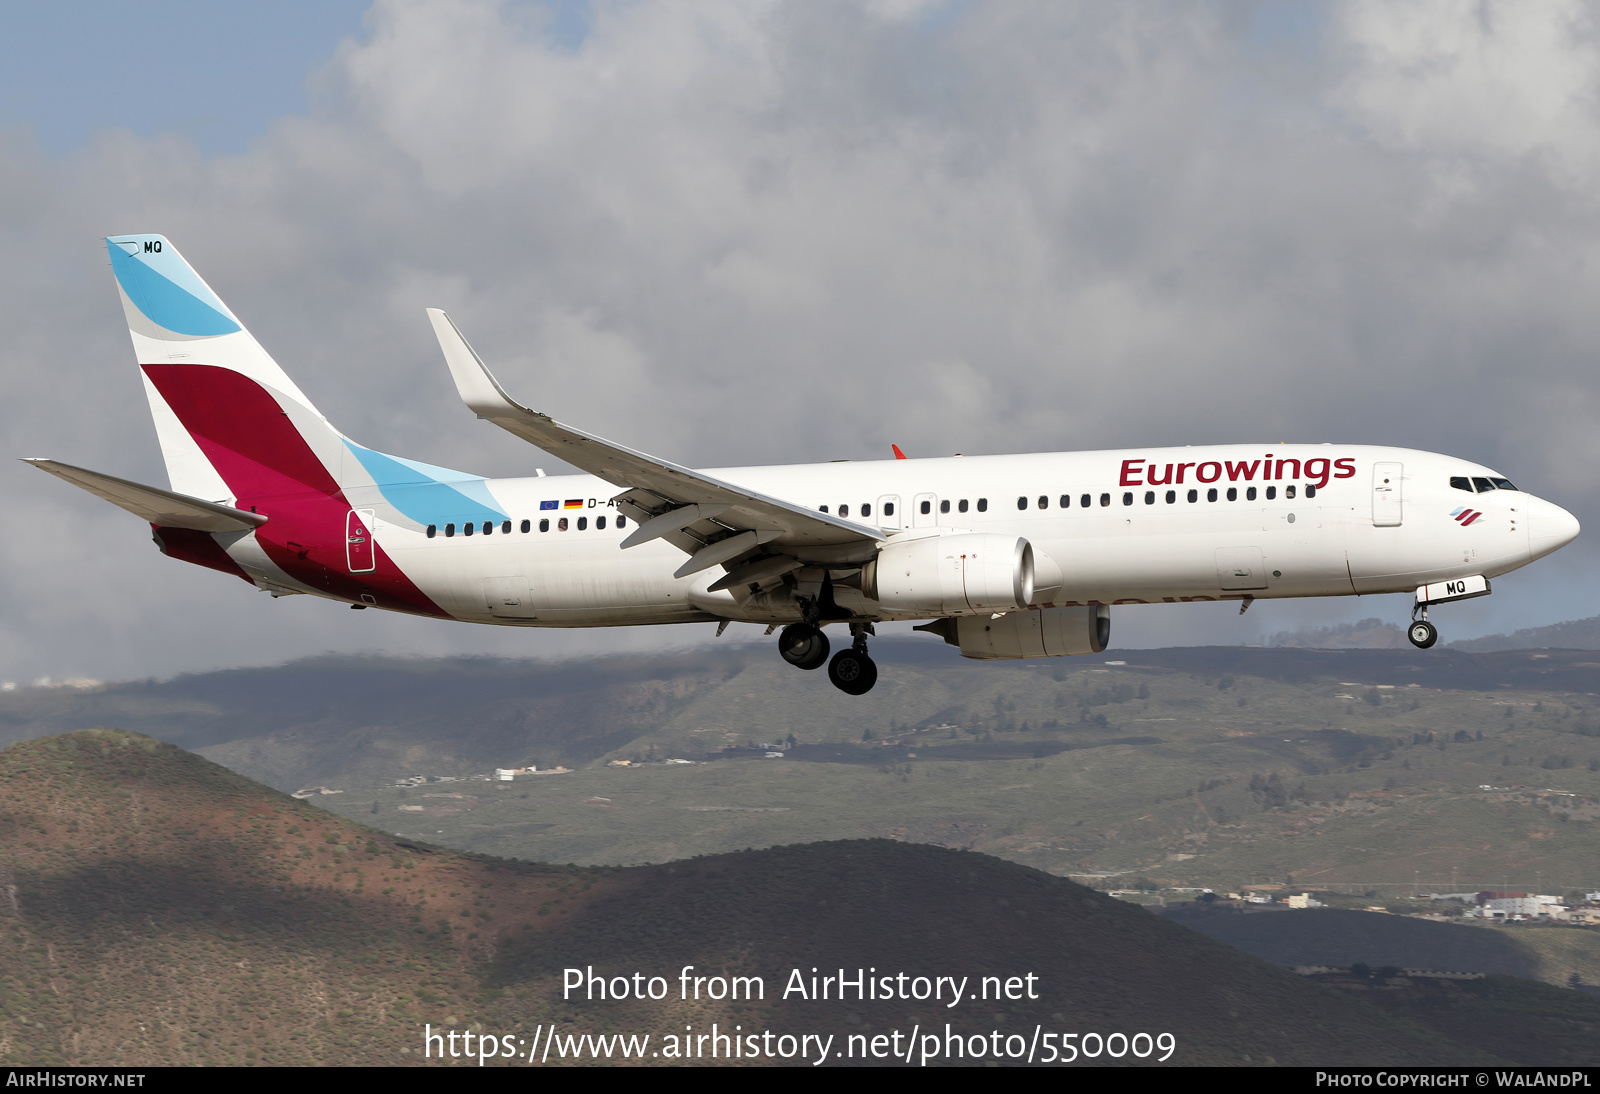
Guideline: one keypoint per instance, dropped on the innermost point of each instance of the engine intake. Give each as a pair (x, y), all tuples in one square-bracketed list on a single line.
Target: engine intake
[(965, 574), (1051, 632)]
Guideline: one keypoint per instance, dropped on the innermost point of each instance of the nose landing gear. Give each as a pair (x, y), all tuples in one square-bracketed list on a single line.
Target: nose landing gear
[(1422, 633)]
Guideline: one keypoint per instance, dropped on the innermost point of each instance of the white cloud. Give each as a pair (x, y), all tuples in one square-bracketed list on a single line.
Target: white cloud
[(744, 233)]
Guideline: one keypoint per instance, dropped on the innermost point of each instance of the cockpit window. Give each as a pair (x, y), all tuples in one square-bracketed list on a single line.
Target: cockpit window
[(1483, 485), (1457, 482), (1503, 484)]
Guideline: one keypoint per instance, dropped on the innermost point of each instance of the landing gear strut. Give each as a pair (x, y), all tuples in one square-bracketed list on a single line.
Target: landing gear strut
[(851, 670), (1422, 633)]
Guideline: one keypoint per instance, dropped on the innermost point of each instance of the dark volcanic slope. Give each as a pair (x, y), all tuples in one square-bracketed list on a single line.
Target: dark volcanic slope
[(160, 909), (1101, 965), (157, 908), (1334, 936)]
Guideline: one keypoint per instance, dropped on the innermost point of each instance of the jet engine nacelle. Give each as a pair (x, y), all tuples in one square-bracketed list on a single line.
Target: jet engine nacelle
[(1050, 632), (963, 574)]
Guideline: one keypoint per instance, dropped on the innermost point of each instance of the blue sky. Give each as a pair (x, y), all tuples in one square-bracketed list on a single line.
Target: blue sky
[(217, 73)]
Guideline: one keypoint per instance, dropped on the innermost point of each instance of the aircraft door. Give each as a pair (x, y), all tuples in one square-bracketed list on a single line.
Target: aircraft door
[(925, 511), (889, 516), (1241, 568), (359, 554), (508, 597), (1386, 499)]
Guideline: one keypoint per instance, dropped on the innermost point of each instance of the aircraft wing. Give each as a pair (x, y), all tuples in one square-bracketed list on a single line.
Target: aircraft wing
[(714, 521), (160, 507)]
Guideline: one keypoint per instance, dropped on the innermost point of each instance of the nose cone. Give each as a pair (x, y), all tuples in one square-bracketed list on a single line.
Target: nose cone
[(1550, 528)]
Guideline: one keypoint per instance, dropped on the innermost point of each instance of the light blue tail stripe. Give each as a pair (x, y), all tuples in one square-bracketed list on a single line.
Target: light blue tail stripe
[(163, 287), (428, 494)]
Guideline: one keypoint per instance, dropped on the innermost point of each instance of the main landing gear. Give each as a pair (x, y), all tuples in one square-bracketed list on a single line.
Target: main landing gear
[(804, 646)]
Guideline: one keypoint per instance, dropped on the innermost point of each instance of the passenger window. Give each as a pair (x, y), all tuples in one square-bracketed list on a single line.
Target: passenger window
[(1066, 501), (1044, 502), (583, 524), (1272, 492), (1233, 493), (1127, 498), (1105, 499), (983, 505), (1460, 482), (561, 525), (488, 526), (866, 510), (1194, 495), (944, 507), (1022, 503), (433, 530), (622, 522), (600, 523), (1311, 490), (1172, 496), (822, 508), (1211, 495), (544, 524), (505, 527), (1149, 497), (1250, 493), (1288, 491), (449, 530), (1085, 500), (468, 529), (962, 505), (527, 526), (926, 507), (844, 510), (1483, 485), (888, 508)]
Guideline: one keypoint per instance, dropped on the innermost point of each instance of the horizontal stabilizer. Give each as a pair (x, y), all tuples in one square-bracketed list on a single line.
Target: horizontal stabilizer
[(160, 507)]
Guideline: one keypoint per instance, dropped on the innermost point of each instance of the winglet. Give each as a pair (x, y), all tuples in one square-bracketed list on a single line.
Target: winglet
[(474, 382), (899, 455)]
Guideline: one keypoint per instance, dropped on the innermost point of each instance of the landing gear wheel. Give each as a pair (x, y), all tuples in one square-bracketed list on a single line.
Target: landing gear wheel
[(1423, 634), (853, 672), (803, 646)]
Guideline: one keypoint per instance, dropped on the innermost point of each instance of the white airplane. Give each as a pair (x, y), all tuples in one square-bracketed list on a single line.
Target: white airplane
[(1004, 556)]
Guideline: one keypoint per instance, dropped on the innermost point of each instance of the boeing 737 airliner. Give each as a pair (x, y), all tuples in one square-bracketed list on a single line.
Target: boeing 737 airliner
[(1003, 556)]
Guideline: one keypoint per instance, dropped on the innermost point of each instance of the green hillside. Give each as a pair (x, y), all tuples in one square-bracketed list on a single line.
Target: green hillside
[(1357, 769), (161, 909)]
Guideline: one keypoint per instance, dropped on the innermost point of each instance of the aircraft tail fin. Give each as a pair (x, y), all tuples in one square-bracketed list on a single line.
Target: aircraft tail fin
[(231, 423)]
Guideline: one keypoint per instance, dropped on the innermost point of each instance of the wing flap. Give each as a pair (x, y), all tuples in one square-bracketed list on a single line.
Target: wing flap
[(160, 507)]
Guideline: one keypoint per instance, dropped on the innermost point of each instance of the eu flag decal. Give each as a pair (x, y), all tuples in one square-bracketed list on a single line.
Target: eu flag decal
[(549, 505)]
